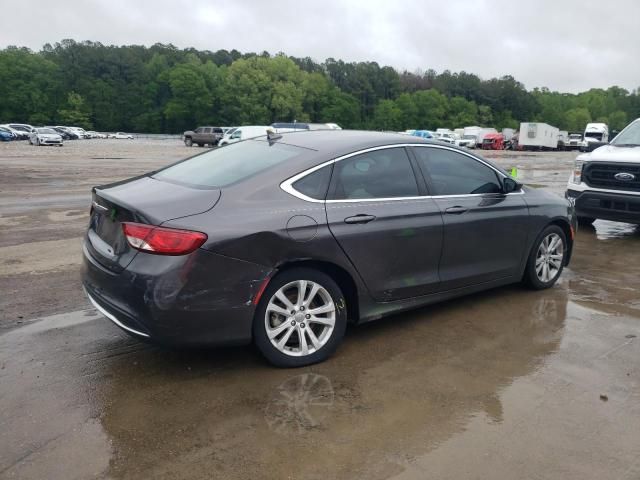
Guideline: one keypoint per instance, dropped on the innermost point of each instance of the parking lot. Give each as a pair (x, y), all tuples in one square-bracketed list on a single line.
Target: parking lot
[(508, 383)]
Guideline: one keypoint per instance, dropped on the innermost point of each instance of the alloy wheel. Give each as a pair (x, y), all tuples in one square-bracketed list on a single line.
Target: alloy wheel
[(549, 257), (300, 318)]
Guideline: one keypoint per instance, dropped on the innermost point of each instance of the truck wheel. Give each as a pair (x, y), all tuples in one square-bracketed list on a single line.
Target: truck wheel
[(188, 142), (585, 221)]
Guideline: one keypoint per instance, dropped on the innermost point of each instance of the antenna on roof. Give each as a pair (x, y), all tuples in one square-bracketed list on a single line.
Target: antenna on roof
[(272, 136)]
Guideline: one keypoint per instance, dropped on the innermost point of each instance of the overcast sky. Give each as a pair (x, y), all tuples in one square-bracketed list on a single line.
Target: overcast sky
[(566, 45)]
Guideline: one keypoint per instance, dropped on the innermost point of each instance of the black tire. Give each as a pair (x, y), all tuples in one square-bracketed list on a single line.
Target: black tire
[(188, 142), (530, 276), (261, 339), (586, 221)]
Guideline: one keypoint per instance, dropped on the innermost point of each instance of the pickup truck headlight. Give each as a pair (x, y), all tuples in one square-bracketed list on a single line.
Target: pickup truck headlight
[(577, 172)]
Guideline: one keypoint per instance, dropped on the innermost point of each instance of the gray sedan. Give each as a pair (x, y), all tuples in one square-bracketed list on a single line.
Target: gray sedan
[(283, 240)]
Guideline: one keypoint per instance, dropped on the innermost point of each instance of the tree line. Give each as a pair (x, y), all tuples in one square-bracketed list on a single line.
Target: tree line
[(163, 89)]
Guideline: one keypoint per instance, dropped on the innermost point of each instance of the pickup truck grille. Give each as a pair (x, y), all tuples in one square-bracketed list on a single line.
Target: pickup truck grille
[(602, 175)]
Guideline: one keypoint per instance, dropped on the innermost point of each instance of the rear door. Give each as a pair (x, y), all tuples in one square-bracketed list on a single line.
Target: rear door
[(485, 230), (391, 231)]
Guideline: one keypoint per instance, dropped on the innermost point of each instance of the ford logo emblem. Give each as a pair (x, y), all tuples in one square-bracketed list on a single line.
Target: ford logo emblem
[(624, 176)]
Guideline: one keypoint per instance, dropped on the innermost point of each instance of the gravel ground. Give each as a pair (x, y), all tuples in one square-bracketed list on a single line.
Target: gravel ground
[(505, 384)]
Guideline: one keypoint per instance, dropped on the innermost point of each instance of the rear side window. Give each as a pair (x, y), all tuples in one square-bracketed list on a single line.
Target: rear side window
[(385, 173), (453, 173), (315, 184), (231, 164)]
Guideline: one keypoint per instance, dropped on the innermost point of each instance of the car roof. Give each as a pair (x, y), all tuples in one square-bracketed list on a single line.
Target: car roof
[(338, 142)]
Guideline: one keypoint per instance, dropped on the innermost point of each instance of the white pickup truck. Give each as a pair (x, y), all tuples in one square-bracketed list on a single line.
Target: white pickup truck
[(605, 183)]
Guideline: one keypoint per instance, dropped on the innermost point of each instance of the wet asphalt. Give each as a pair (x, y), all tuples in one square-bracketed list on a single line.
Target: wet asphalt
[(504, 384)]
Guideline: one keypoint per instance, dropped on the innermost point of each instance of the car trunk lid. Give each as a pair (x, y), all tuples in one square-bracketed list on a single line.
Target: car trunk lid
[(142, 200)]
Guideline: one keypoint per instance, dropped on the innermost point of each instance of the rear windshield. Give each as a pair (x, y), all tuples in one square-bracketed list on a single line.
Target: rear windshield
[(230, 164)]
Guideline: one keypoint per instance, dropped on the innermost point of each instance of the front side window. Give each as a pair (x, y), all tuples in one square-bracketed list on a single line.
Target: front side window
[(231, 164), (385, 173), (198, 130), (207, 130), (453, 173)]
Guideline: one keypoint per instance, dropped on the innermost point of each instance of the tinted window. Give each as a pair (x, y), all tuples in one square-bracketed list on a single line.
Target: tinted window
[(453, 173), (315, 184), (224, 166), (207, 130), (379, 174)]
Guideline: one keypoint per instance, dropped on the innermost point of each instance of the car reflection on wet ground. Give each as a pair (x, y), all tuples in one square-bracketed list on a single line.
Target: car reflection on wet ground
[(505, 384)]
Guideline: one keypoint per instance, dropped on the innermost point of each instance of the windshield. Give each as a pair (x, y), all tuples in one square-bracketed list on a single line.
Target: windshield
[(47, 130), (596, 135), (224, 166), (628, 136)]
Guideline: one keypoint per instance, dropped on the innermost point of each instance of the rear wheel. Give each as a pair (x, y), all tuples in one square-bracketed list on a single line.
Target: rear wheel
[(301, 318), (547, 258)]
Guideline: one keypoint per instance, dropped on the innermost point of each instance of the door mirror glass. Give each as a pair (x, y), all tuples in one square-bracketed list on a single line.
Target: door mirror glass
[(510, 185)]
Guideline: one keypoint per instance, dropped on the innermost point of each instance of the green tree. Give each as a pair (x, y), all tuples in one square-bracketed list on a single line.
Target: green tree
[(76, 113), (576, 119)]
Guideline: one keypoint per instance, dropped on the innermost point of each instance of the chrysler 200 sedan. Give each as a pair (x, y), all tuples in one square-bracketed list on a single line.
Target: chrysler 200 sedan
[(282, 240)]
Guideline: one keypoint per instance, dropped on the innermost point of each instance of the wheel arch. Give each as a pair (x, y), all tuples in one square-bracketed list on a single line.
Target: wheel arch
[(341, 276), (568, 233)]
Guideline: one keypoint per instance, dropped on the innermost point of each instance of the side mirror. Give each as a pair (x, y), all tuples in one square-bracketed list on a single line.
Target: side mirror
[(509, 185)]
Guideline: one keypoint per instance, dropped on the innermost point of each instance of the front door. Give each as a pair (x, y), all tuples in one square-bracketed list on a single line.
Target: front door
[(389, 230), (485, 230)]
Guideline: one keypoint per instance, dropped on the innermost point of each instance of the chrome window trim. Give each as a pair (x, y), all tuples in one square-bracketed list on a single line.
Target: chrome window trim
[(287, 185)]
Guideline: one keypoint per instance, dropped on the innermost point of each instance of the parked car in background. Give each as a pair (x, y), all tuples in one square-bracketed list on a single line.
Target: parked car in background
[(595, 135), (446, 137), (283, 127), (203, 136), (23, 127), (605, 183), (17, 134), (422, 134), (82, 134), (284, 241), (63, 133), (6, 135), (244, 132), (73, 135), (121, 136), (45, 136), (467, 141)]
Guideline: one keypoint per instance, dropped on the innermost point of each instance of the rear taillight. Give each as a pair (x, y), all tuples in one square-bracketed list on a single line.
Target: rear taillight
[(161, 240)]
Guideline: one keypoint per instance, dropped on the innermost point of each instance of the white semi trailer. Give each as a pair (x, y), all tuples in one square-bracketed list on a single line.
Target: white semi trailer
[(537, 136)]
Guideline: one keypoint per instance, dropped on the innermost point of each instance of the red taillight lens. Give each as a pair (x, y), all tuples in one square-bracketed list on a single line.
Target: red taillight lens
[(162, 241)]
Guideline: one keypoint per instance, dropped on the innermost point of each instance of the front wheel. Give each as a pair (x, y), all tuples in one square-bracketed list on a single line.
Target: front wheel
[(301, 318), (188, 142), (547, 258)]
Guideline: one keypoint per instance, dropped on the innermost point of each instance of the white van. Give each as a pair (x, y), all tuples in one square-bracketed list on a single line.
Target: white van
[(242, 133)]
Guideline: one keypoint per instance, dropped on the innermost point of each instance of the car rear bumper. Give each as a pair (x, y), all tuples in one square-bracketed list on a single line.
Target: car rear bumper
[(197, 299), (618, 207)]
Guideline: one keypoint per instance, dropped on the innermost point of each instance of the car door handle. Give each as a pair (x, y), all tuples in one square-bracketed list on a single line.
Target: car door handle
[(455, 210), (362, 218)]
